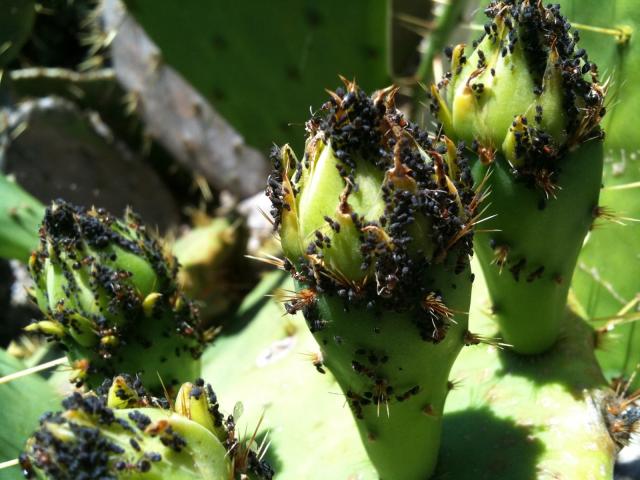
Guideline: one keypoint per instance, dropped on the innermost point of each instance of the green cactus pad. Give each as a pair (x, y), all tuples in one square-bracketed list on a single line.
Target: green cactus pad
[(108, 293), (263, 65), (507, 416), (20, 216), (23, 400), (606, 279), (529, 102), (375, 223)]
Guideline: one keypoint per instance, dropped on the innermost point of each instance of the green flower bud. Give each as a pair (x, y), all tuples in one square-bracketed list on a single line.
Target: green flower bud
[(521, 90), (122, 432), (375, 222), (529, 102), (109, 295)]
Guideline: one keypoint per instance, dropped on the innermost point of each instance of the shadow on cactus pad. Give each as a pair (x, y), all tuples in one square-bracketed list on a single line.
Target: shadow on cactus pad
[(514, 455), (570, 362)]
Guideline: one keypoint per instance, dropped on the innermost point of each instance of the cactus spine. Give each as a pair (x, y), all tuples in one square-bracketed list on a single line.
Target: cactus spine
[(109, 295), (529, 102), (375, 224)]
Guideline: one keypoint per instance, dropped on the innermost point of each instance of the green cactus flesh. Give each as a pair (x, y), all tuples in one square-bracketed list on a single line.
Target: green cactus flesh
[(507, 416), (375, 224), (606, 281), (122, 432), (108, 293), (528, 102), (298, 46), (20, 216)]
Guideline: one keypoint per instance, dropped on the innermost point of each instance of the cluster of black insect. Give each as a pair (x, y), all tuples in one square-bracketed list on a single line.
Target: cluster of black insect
[(275, 189), (90, 454), (380, 391), (540, 31), (360, 128), (80, 242), (543, 29)]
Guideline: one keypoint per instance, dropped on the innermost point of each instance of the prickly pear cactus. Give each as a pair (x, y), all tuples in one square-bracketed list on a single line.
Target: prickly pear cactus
[(606, 282), (20, 216), (527, 100), (298, 47), (23, 399), (122, 432), (108, 293), (375, 223)]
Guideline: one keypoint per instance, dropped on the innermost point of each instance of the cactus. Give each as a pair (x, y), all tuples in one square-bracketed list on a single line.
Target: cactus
[(108, 292), (20, 215), (606, 281), (124, 433), (23, 400), (529, 102), (298, 56), (375, 224), (508, 416)]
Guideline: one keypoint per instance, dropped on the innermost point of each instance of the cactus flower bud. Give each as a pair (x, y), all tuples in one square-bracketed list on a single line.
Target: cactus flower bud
[(529, 103), (375, 222), (109, 295), (523, 90), (122, 432)]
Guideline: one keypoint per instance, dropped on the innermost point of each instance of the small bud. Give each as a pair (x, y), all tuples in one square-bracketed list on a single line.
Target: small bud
[(121, 394), (48, 327), (150, 302), (192, 403)]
